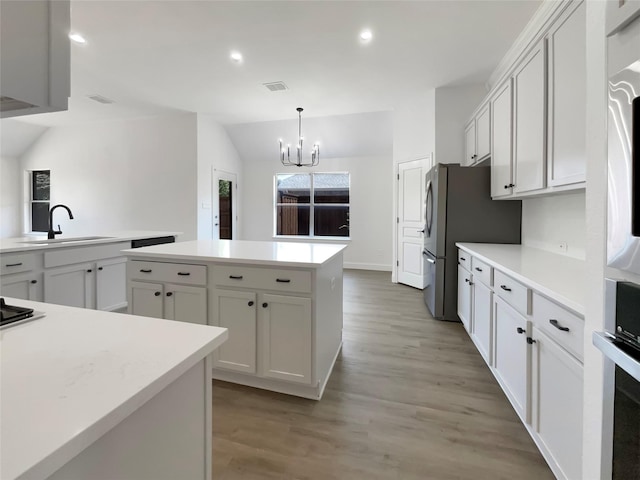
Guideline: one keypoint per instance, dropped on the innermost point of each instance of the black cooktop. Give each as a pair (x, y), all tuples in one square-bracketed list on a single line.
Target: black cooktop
[(10, 314)]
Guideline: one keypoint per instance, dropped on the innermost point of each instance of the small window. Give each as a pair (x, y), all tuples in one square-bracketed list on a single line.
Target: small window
[(312, 204), (40, 196)]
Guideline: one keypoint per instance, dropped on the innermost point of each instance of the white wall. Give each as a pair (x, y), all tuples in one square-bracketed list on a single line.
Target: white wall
[(215, 150), (547, 221), (370, 205), (122, 174), (10, 197), (414, 128), (454, 106)]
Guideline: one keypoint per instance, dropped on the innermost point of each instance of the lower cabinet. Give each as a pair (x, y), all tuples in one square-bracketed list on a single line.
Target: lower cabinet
[(464, 297), (277, 328), (169, 301), (482, 320), (511, 355), (26, 286), (557, 399)]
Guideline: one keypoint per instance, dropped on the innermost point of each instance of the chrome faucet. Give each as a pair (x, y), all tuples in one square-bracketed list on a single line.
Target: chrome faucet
[(51, 234)]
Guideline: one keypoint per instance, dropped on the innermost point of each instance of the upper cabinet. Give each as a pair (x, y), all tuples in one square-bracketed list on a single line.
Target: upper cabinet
[(477, 137), (536, 113), (34, 57)]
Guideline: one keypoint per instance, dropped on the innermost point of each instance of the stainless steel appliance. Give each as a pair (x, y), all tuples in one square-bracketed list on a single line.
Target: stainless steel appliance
[(459, 209)]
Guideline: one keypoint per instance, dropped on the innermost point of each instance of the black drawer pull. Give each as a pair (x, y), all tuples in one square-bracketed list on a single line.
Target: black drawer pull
[(145, 271), (100, 268), (34, 281), (265, 305), (250, 303), (89, 271), (505, 288), (555, 324), (520, 330), (478, 269), (157, 294), (463, 259), (184, 274), (13, 264), (235, 277), (169, 294), (283, 280)]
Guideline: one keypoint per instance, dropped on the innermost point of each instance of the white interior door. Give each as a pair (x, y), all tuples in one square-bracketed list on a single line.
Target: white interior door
[(225, 199), (410, 224)]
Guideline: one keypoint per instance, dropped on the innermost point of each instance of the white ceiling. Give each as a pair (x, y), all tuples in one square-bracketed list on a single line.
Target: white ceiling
[(157, 56)]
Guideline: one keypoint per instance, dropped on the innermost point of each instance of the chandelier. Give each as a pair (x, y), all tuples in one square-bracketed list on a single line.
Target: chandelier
[(297, 161)]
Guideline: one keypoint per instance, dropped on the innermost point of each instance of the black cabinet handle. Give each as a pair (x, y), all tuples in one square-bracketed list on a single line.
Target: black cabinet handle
[(89, 271), (511, 185), (283, 280), (478, 269), (505, 288), (13, 264), (157, 294), (145, 271), (250, 303), (520, 330), (184, 274), (34, 281), (463, 259), (236, 277), (169, 294), (555, 324), (530, 340), (265, 305), (100, 268), (506, 186)]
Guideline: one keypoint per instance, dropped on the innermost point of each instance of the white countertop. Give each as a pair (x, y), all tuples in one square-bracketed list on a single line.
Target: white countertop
[(17, 244), (292, 254), (70, 377), (558, 277)]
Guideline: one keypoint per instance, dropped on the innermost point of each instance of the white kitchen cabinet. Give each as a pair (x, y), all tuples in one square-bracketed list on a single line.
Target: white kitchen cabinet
[(72, 285), (511, 355), (26, 286), (477, 137), (482, 319), (146, 299), (470, 144), (236, 311), (557, 399), (183, 303), (286, 332), (464, 297), (111, 286), (567, 90), (502, 141), (529, 84)]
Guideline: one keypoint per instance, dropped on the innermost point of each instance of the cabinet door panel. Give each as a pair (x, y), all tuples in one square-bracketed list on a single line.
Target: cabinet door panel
[(236, 310), (501, 141), (146, 299), (464, 297), (557, 400), (72, 286), (111, 291), (286, 338), (185, 304), (567, 92), (530, 122), (23, 286), (482, 319), (512, 356), (483, 136), (470, 145)]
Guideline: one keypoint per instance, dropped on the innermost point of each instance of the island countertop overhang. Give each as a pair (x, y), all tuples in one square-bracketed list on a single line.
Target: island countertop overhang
[(283, 254)]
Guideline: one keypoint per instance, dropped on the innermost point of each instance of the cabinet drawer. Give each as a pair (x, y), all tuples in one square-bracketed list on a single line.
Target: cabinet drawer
[(561, 325), (481, 271), (167, 272), (17, 263), (464, 259), (513, 292), (263, 278)]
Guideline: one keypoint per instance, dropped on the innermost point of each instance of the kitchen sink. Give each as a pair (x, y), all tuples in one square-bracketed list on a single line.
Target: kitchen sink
[(63, 240)]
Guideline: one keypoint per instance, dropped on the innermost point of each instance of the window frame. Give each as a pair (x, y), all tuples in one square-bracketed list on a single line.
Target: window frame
[(311, 205), (33, 201)]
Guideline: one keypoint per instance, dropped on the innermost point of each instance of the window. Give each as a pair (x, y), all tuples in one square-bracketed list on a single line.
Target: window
[(312, 204), (40, 196)]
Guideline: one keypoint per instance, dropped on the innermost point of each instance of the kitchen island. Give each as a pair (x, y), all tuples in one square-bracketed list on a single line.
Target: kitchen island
[(97, 395), (281, 301)]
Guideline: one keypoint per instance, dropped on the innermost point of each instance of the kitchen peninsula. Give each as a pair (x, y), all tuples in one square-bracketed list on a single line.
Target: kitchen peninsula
[(281, 301), (95, 395)]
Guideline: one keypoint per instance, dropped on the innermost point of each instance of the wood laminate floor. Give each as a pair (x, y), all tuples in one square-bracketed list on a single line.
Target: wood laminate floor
[(409, 398)]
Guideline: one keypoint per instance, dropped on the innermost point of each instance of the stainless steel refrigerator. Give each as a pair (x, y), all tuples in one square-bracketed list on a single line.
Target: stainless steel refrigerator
[(459, 209)]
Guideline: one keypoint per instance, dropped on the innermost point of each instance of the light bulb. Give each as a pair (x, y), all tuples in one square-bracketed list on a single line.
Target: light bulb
[(366, 35), (76, 37)]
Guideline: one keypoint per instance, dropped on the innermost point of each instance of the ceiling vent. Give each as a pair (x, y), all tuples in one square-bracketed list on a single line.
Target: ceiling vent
[(100, 99), (276, 86)]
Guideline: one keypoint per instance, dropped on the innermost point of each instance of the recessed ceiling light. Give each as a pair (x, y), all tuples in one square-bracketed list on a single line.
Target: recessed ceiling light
[(76, 37), (236, 57), (366, 35)]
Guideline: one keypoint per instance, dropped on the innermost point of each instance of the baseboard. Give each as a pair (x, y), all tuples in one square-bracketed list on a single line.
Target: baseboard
[(368, 266), (333, 364), (311, 392)]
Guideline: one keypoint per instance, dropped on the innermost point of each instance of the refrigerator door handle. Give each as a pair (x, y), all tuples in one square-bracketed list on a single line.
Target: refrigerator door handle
[(428, 258)]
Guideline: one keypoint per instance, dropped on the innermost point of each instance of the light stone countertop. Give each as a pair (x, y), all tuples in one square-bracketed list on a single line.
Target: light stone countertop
[(291, 254), (17, 244), (557, 277), (68, 378)]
